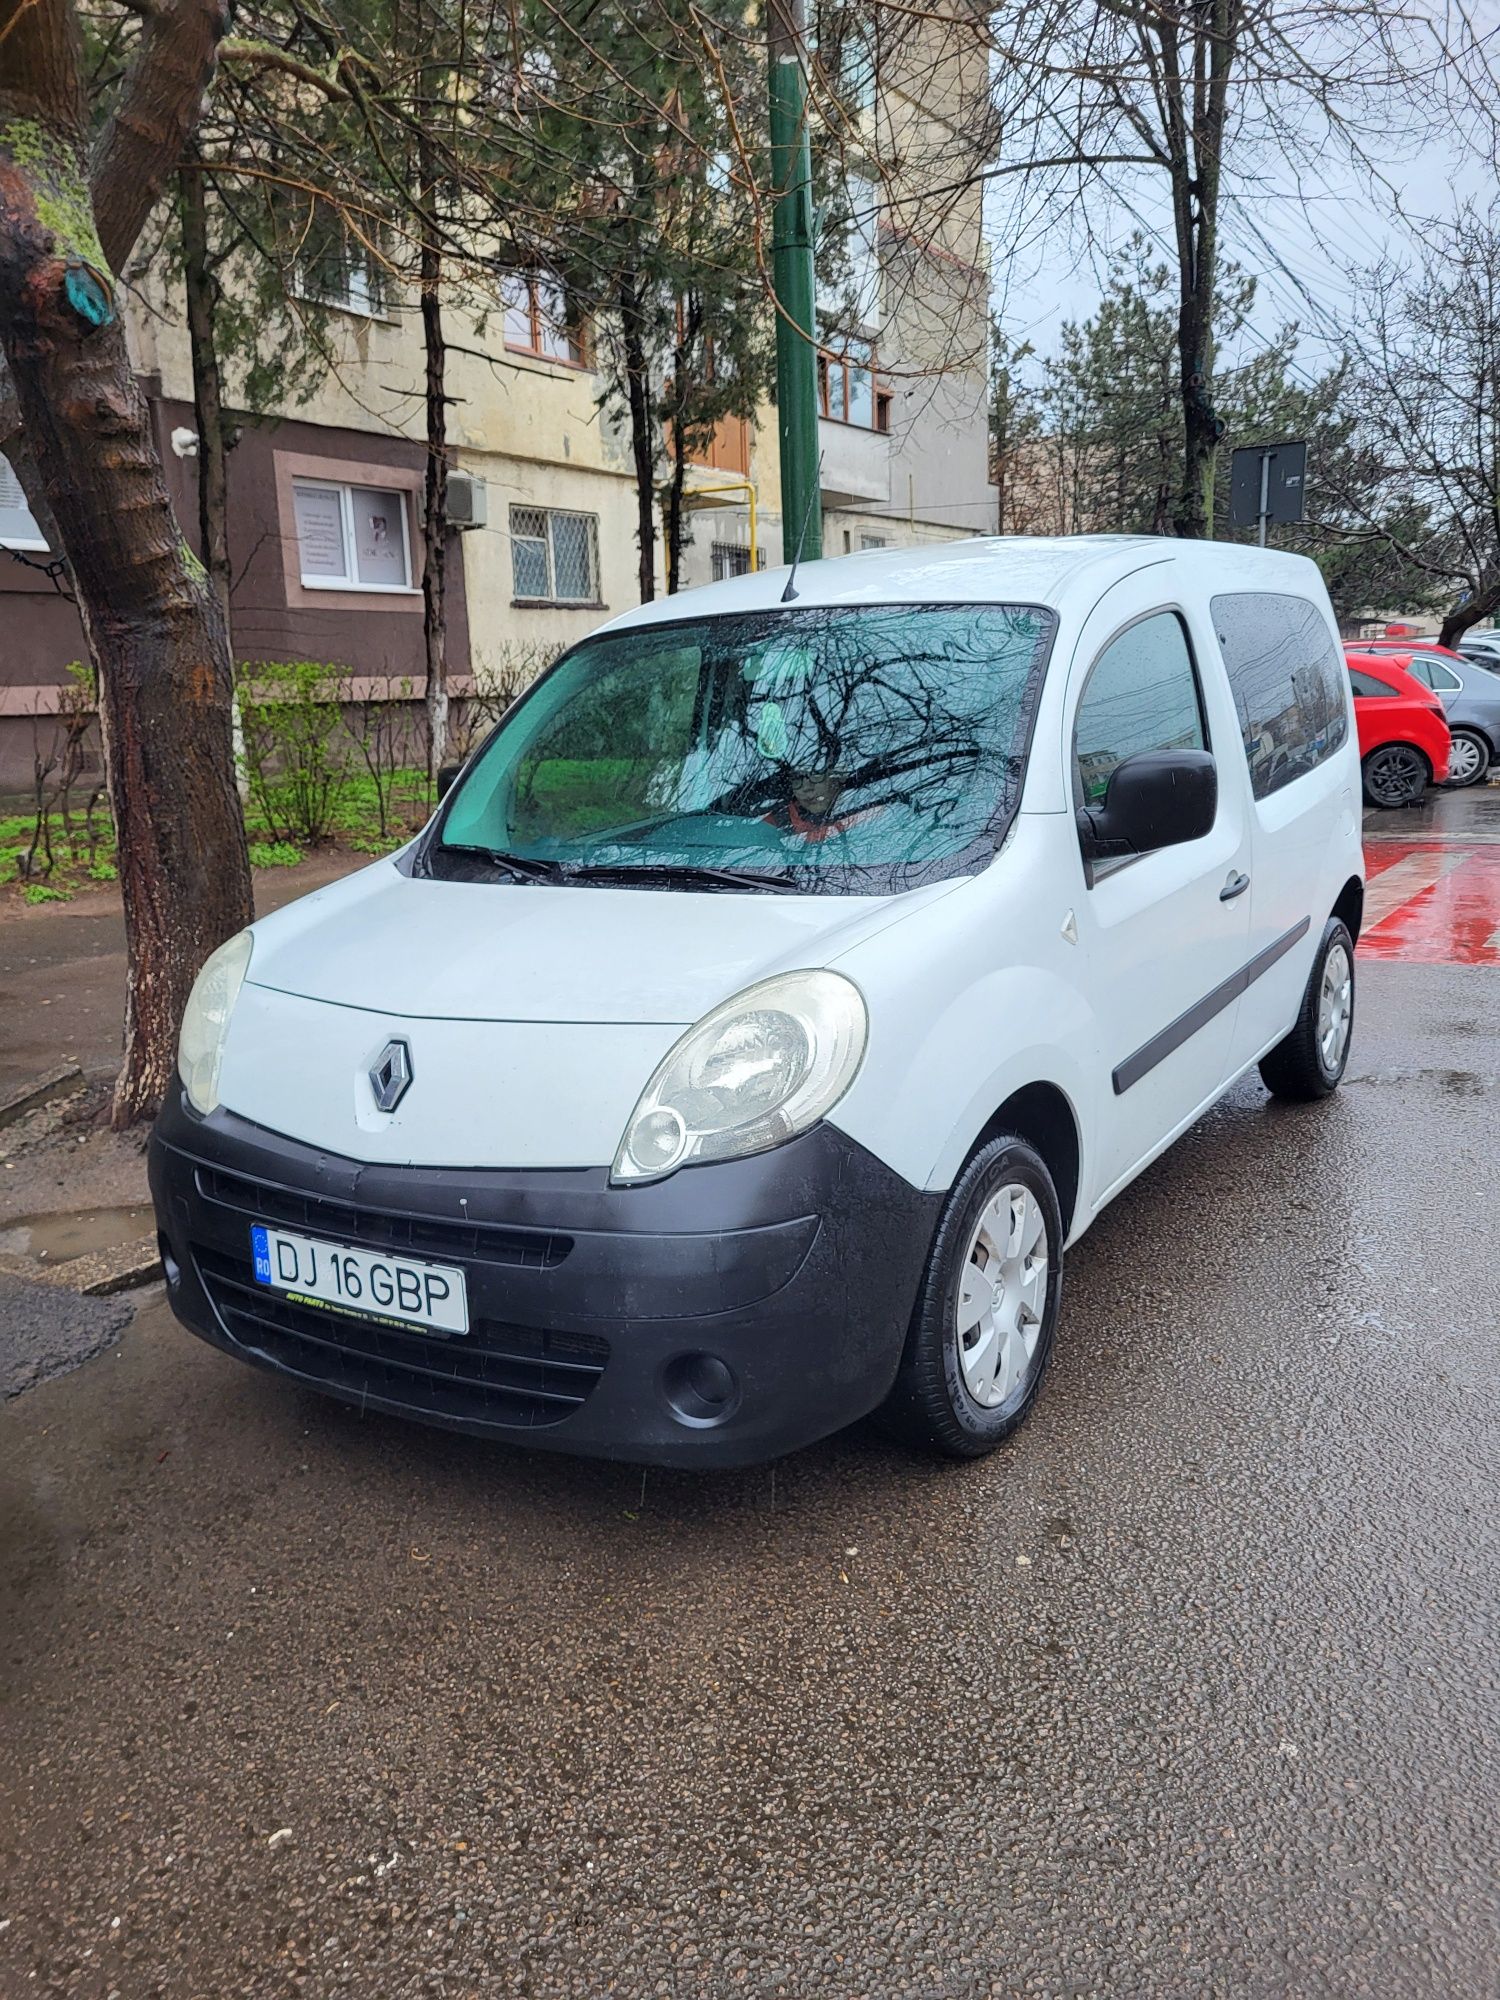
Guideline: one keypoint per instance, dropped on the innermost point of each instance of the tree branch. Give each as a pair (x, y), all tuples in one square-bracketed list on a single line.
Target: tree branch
[(159, 105)]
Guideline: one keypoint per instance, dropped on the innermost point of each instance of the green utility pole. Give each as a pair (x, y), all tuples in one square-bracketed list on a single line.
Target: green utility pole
[(792, 275)]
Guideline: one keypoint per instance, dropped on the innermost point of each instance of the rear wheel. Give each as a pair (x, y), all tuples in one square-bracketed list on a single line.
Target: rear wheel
[(1396, 774), (1310, 1062), (981, 1335), (1469, 759)]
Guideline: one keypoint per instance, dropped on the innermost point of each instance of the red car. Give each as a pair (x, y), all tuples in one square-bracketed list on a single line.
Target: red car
[(1403, 733)]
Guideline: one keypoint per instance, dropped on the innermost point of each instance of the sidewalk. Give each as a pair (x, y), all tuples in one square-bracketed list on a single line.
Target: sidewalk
[(73, 1195)]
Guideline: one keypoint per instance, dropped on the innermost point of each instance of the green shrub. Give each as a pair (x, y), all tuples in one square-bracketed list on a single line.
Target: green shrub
[(295, 753), (40, 892)]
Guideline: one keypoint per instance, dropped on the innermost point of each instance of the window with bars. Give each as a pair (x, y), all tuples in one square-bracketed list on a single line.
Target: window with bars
[(541, 319), (18, 528), (729, 559), (351, 537), (554, 555), (849, 387)]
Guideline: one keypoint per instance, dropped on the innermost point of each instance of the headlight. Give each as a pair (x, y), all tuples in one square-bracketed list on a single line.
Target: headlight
[(756, 1071), (205, 1020)]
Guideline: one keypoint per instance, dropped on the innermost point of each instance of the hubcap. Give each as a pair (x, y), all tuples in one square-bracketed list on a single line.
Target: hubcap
[(1395, 775), (1463, 760), (1335, 1008), (1001, 1296)]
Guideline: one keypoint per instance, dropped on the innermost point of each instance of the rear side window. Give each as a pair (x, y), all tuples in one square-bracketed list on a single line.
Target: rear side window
[(1141, 694), (1288, 683), (1434, 674), (1366, 684)]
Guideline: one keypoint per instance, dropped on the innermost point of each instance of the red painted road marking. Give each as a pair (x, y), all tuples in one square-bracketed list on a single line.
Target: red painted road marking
[(1432, 903)]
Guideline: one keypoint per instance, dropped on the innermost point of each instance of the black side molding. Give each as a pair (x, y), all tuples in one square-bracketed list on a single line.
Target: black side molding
[(1203, 1011)]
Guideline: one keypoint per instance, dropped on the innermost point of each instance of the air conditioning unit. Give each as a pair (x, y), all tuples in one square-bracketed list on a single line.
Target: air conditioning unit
[(468, 504)]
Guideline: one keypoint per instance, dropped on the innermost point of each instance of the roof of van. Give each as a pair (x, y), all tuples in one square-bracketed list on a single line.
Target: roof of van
[(985, 569)]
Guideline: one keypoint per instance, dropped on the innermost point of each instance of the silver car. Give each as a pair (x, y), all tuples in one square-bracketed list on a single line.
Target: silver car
[(1483, 647), (1470, 695)]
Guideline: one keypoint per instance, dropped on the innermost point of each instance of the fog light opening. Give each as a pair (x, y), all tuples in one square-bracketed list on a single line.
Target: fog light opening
[(700, 1389), (171, 1270)]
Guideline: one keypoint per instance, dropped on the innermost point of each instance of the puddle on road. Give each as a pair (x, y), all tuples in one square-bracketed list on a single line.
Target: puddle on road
[(57, 1239)]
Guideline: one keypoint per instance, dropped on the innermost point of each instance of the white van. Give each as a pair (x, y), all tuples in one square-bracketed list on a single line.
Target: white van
[(796, 971)]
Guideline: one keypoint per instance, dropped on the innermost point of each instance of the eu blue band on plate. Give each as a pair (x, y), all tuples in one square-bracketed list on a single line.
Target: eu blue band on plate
[(261, 1250)]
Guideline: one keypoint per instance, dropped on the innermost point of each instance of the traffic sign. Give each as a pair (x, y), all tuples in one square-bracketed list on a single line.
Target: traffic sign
[(1267, 483)]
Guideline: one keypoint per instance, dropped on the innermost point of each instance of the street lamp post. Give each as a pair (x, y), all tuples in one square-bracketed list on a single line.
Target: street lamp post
[(792, 276)]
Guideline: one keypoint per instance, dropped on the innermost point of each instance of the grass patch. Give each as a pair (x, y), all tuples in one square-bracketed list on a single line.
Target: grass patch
[(354, 823)]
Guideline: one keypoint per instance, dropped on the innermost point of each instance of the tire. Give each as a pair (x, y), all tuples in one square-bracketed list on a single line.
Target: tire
[(1469, 759), (1310, 1062), (940, 1401), (1395, 774)]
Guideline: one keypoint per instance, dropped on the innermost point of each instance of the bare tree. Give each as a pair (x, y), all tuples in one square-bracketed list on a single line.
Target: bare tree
[(1181, 106), (69, 214), (1426, 391)]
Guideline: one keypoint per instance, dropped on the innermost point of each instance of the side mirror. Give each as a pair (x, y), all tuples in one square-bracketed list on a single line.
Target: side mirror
[(1159, 799), (447, 774)]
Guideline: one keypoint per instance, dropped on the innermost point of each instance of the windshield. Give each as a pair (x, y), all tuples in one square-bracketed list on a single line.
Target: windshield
[(854, 751)]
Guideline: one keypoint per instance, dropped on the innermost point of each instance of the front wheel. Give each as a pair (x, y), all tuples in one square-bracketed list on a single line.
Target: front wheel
[(1469, 758), (1310, 1062), (981, 1335), (1396, 774)]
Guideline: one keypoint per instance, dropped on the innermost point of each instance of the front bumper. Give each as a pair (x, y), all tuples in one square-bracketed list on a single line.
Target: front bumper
[(797, 1270)]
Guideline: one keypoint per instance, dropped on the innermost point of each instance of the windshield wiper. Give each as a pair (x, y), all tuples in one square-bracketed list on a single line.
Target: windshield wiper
[(524, 867), (686, 873)]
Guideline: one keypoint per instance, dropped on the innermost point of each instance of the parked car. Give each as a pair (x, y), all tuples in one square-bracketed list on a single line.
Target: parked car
[(1471, 702), (1403, 732), (1399, 646), (1482, 647), (795, 972)]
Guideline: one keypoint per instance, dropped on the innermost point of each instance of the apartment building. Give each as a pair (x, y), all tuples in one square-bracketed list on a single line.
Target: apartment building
[(325, 494)]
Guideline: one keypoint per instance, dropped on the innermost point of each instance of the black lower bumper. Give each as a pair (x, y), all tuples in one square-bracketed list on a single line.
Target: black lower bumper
[(720, 1317)]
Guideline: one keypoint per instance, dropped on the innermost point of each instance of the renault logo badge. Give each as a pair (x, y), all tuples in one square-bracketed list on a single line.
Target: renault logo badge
[(390, 1074)]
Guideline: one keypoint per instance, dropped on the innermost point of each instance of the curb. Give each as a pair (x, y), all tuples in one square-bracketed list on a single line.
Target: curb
[(97, 1274), (23, 1097)]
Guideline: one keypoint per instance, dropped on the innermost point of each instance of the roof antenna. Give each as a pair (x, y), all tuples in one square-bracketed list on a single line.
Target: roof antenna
[(812, 493)]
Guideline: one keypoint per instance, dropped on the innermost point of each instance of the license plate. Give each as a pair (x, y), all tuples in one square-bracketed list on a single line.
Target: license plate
[(370, 1284)]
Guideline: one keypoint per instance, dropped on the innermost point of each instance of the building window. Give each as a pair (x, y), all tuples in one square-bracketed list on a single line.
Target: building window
[(873, 542), (337, 270), (849, 387), (541, 319), (18, 528), (845, 42), (554, 556), (729, 559), (352, 537)]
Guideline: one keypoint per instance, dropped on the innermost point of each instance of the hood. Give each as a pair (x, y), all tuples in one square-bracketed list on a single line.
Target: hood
[(398, 944)]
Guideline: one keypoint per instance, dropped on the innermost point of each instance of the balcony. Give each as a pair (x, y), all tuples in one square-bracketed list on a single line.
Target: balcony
[(856, 464)]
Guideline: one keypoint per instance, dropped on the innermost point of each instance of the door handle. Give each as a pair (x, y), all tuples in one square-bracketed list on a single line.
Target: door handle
[(1235, 886)]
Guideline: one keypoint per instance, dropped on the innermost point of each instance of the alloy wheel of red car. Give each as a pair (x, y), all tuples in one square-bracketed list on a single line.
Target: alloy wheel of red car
[(1396, 774)]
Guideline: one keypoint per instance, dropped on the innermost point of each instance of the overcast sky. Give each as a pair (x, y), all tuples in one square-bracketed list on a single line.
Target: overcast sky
[(1302, 241)]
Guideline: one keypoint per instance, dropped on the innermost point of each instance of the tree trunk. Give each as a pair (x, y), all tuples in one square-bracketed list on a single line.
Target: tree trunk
[(676, 515), (1484, 603), (642, 439), (1200, 424), (152, 622), (435, 517), (201, 291), (1198, 100)]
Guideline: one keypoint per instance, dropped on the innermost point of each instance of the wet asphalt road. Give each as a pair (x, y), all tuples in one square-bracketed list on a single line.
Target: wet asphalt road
[(1192, 1690)]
